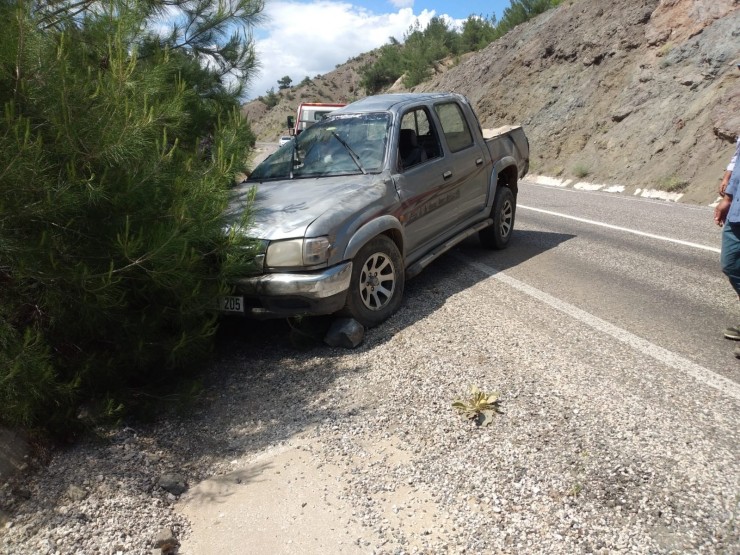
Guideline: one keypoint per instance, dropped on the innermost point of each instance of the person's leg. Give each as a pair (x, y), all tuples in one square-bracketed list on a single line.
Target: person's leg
[(730, 262), (730, 257)]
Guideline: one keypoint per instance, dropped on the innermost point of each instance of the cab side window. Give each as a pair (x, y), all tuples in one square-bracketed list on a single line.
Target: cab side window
[(418, 141), (454, 126)]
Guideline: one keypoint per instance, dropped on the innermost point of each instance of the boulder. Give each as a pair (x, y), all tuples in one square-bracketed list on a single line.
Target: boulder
[(345, 332)]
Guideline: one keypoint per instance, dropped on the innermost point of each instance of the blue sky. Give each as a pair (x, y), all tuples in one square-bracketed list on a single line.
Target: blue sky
[(310, 38), (455, 9)]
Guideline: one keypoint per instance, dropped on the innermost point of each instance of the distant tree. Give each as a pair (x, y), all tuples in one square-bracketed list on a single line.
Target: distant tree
[(386, 69), (284, 83), (306, 81), (271, 98), (477, 32), (520, 11), (424, 47), (415, 56)]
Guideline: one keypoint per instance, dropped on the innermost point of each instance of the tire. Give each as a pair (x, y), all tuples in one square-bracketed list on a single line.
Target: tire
[(376, 286), (499, 234)]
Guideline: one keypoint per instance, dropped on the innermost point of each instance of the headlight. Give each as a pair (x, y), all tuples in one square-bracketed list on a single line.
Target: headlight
[(315, 251), (298, 252)]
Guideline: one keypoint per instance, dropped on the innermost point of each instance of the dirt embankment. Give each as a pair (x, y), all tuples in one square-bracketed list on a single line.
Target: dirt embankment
[(641, 93)]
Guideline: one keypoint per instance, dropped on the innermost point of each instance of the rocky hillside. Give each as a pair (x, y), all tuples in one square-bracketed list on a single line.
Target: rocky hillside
[(340, 85), (641, 93)]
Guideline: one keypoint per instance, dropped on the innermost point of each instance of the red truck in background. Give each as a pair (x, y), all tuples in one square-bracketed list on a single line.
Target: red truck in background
[(308, 114)]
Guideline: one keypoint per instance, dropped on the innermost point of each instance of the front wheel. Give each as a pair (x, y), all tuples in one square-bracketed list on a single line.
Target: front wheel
[(377, 283), (498, 235)]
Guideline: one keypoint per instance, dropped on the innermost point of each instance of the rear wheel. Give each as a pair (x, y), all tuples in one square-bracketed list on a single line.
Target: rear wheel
[(377, 283), (498, 235)]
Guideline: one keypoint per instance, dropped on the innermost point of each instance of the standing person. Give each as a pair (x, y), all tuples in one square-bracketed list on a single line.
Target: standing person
[(727, 214)]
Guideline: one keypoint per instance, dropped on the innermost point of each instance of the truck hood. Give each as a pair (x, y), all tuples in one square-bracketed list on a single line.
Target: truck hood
[(285, 209)]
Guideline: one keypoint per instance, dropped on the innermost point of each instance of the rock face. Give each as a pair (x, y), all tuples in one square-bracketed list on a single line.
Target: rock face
[(641, 93), (638, 93)]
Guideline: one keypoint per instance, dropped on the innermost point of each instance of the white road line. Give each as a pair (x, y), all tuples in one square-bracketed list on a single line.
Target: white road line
[(664, 356), (625, 229)]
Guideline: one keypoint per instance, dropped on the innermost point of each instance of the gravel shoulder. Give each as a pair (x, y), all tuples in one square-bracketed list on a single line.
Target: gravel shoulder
[(598, 448)]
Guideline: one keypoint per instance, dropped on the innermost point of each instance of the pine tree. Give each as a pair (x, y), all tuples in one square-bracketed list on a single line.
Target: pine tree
[(118, 147), (477, 32)]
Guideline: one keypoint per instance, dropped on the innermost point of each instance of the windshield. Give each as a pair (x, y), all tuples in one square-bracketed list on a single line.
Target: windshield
[(343, 145)]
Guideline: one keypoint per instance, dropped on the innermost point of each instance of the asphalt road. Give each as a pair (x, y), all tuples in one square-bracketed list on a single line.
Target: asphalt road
[(649, 268)]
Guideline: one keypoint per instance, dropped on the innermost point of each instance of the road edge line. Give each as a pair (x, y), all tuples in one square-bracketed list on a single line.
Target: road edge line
[(669, 358)]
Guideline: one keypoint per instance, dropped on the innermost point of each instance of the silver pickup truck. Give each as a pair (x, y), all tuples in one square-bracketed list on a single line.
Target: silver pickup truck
[(368, 197)]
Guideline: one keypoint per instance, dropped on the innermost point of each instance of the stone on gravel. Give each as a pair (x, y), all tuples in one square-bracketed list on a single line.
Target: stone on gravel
[(76, 493), (173, 483), (166, 542), (345, 332)]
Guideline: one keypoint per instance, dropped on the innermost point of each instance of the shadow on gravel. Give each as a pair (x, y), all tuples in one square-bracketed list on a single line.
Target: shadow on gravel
[(261, 389), (264, 387), (447, 275)]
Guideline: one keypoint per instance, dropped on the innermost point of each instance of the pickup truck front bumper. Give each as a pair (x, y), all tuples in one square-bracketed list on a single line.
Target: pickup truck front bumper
[(293, 294)]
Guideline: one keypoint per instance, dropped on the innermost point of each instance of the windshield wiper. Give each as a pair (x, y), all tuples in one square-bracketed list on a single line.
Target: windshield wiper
[(292, 157), (352, 154)]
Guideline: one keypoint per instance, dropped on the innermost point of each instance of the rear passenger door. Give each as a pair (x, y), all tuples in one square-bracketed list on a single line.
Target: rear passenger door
[(466, 169)]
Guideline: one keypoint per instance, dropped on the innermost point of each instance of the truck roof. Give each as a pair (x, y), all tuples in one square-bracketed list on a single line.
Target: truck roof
[(320, 104), (386, 102)]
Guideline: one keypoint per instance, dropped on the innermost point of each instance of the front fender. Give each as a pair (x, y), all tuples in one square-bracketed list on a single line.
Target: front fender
[(370, 230)]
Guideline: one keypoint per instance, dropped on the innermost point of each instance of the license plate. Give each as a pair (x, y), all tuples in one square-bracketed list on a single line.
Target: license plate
[(231, 304)]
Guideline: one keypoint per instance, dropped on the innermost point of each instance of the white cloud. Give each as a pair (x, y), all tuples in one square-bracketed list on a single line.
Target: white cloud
[(303, 39), (403, 3)]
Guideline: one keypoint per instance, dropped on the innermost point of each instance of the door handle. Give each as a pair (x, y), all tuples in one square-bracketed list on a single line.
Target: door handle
[(447, 174), (479, 161)]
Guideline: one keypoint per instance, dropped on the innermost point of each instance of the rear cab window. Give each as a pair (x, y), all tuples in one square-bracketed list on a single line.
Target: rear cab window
[(454, 126)]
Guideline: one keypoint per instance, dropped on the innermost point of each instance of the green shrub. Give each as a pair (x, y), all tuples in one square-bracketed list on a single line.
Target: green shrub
[(673, 184), (271, 98), (521, 11), (581, 171)]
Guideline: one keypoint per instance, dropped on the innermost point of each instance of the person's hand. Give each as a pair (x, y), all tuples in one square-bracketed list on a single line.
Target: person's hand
[(723, 184), (720, 212)]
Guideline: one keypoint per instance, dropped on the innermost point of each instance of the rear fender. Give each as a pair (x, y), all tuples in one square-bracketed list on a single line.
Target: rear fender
[(504, 170)]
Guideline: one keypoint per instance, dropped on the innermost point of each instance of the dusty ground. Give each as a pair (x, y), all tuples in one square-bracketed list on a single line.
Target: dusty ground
[(280, 500)]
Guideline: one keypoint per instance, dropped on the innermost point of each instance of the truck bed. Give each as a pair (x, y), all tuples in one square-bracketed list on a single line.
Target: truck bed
[(509, 141)]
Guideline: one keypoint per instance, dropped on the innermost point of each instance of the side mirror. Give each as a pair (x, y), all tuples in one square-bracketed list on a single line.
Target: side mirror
[(291, 122)]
